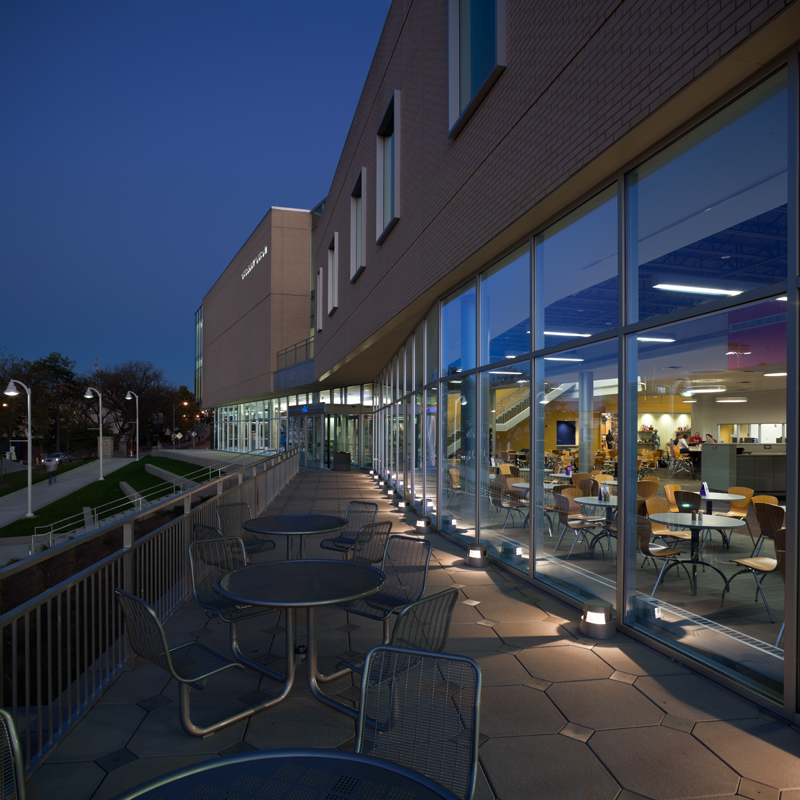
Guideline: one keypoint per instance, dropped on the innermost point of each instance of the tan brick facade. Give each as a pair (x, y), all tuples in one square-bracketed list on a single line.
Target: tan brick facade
[(247, 320), (590, 87)]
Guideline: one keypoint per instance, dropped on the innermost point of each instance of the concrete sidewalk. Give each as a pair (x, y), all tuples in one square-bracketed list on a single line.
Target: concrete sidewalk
[(562, 717)]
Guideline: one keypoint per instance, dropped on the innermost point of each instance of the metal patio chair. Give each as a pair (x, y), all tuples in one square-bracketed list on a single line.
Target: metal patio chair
[(191, 664), (12, 775), (423, 625), (422, 710), (209, 560), (200, 532), (231, 517), (405, 563), (371, 542), (358, 513)]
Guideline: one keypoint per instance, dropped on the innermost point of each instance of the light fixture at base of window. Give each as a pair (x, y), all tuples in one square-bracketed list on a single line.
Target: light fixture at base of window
[(597, 620), (477, 556), (423, 525)]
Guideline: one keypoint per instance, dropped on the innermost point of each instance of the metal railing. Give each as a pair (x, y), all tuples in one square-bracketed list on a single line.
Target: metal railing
[(62, 648), (296, 353), (115, 509)]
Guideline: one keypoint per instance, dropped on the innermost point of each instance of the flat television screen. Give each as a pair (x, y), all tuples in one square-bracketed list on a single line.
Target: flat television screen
[(565, 432)]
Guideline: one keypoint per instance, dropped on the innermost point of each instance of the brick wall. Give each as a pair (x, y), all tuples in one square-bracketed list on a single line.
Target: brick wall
[(589, 85)]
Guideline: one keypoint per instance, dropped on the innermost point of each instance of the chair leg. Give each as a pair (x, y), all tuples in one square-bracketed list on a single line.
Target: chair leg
[(243, 659), (780, 635)]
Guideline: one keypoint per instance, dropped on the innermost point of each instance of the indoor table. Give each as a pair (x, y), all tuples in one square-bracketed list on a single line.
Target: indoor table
[(290, 525), (610, 507), (706, 522), (303, 583), (296, 773), (722, 497)]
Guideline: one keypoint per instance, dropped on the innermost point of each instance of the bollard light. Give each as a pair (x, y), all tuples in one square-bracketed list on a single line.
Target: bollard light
[(477, 556), (423, 525), (597, 620)]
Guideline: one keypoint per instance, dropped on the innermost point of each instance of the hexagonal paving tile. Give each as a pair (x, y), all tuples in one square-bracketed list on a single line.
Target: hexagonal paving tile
[(695, 698), (299, 722), (603, 705), (541, 764), (559, 664), (636, 659), (517, 711), (663, 763), (533, 634), (763, 751), (466, 638), (500, 669)]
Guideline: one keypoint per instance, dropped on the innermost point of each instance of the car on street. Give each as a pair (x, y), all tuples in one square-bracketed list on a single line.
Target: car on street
[(59, 458)]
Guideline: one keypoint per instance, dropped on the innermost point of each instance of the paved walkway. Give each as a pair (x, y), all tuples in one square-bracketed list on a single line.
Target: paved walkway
[(562, 717)]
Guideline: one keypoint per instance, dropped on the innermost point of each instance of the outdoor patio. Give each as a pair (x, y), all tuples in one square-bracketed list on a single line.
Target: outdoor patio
[(561, 716)]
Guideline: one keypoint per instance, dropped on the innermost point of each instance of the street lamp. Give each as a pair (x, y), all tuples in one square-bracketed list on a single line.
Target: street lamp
[(130, 396), (12, 391), (88, 396), (186, 403)]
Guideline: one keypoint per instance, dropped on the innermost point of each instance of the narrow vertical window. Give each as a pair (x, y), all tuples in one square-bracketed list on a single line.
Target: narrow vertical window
[(476, 54), (318, 299), (333, 274), (387, 190), (358, 227)]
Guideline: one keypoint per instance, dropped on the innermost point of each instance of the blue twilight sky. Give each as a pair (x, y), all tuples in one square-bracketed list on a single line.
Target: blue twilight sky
[(142, 141)]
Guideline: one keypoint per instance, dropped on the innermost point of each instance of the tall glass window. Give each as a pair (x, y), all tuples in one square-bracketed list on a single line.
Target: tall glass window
[(506, 308), (708, 214), (409, 382), (419, 350), (575, 535), (431, 451), (702, 384), (504, 468), (459, 455), (477, 46), (432, 345), (576, 273), (458, 331)]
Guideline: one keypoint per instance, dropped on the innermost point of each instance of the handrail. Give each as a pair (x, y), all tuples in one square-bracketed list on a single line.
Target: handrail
[(62, 648), (71, 526), (295, 353)]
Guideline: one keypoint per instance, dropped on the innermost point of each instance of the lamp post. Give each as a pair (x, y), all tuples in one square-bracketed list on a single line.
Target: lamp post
[(88, 396), (130, 396), (12, 391), (186, 403)]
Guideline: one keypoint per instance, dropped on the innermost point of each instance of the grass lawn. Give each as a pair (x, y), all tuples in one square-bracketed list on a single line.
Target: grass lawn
[(96, 494), (19, 479)]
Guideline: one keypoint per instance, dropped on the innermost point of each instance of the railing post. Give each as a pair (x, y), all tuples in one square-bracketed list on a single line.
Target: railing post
[(127, 545)]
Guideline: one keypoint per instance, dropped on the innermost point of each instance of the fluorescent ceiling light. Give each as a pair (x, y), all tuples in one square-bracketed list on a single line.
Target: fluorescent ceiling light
[(707, 390), (510, 356), (690, 401), (570, 335), (671, 287), (553, 358), (652, 339), (738, 353), (731, 399), (502, 372), (774, 374), (784, 299)]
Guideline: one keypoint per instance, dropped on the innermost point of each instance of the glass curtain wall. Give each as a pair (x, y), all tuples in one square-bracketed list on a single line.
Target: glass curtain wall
[(696, 417)]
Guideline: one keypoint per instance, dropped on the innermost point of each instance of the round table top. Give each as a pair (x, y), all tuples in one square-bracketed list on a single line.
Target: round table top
[(596, 501), (521, 485), (723, 497), (300, 584), (561, 475), (295, 524), (706, 521), (316, 774)]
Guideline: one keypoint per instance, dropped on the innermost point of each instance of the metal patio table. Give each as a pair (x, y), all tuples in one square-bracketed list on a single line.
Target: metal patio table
[(302, 583), (705, 522), (290, 525), (306, 773)]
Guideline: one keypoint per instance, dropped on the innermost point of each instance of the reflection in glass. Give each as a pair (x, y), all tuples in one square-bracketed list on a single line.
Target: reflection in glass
[(459, 454), (708, 215), (506, 308), (576, 272), (576, 406), (721, 375), (458, 331), (432, 346), (419, 421), (419, 350), (504, 465)]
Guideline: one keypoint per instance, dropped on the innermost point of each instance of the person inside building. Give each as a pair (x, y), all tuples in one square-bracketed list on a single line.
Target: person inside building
[(696, 438), (710, 439)]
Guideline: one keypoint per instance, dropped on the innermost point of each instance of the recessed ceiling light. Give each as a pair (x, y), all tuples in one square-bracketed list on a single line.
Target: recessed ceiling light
[(724, 258), (690, 401), (775, 374), (551, 358), (671, 287), (784, 299), (502, 372), (731, 399), (708, 390), (652, 339), (570, 335)]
